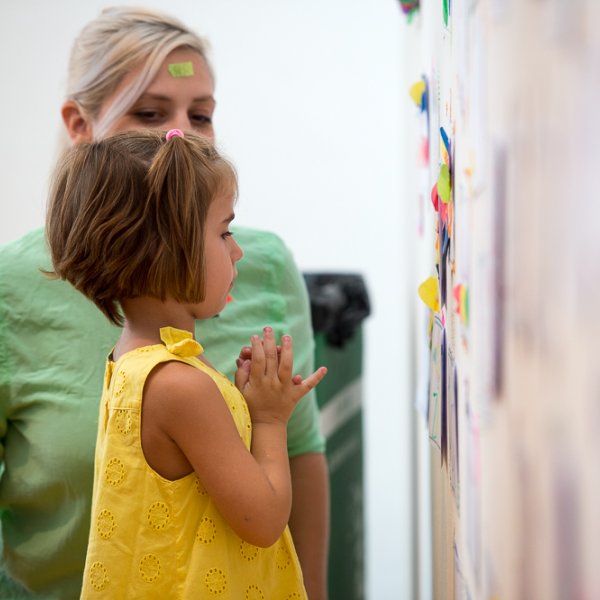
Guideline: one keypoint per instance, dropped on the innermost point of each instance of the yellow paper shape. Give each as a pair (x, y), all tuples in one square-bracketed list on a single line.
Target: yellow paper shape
[(464, 305), (443, 184), (184, 69), (429, 293), (416, 92)]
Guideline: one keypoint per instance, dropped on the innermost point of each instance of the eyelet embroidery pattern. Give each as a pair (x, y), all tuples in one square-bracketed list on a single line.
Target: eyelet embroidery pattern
[(293, 596), (199, 487), (150, 568), (114, 472), (282, 558), (207, 531), (158, 515), (105, 523), (215, 581), (123, 420), (248, 551), (98, 576), (120, 383), (254, 593)]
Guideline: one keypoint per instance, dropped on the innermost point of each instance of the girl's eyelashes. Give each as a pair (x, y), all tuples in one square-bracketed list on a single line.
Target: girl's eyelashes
[(227, 234)]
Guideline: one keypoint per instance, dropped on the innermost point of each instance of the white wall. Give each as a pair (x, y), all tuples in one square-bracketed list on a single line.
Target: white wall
[(311, 97)]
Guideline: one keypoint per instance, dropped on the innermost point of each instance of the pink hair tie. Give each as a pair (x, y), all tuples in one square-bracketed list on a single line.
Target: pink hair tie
[(174, 133)]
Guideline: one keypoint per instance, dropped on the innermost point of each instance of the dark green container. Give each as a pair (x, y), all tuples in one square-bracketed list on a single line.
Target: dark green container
[(339, 304)]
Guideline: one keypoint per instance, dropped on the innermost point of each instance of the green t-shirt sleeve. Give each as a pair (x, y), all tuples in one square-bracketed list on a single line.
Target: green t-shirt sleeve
[(304, 434)]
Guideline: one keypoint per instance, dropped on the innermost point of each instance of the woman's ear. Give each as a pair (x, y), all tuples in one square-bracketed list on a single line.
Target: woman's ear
[(78, 126)]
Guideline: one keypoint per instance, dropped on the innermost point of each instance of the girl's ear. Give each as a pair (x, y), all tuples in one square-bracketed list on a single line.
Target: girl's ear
[(78, 126)]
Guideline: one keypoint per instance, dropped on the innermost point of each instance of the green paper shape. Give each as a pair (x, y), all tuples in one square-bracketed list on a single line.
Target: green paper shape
[(443, 184), (445, 10), (184, 69)]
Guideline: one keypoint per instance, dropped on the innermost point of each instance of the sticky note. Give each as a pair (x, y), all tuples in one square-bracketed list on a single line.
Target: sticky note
[(445, 148), (461, 299), (184, 69), (429, 293), (408, 5), (443, 184), (435, 198), (444, 213), (424, 151), (409, 8), (416, 92)]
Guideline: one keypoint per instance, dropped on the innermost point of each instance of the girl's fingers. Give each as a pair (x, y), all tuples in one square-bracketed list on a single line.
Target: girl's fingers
[(246, 353), (257, 364), (286, 359), (313, 380), (241, 375), (270, 349)]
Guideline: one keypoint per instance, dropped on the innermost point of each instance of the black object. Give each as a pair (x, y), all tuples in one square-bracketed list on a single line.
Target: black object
[(339, 302)]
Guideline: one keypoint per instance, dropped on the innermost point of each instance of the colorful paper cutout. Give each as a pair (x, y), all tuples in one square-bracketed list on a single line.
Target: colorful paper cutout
[(435, 199), (443, 184), (409, 8), (444, 213), (429, 293), (424, 154), (461, 299), (445, 147), (418, 92)]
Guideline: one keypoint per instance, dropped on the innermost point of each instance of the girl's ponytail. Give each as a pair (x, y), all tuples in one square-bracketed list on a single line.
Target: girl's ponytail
[(179, 205)]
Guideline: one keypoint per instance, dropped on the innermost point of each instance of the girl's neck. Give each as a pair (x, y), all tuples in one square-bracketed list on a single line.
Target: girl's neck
[(144, 317)]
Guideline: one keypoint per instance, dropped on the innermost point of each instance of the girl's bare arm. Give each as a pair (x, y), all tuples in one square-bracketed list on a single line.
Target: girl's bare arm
[(186, 425)]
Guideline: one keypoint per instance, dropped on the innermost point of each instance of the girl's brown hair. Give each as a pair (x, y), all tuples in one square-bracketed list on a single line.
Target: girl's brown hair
[(126, 217)]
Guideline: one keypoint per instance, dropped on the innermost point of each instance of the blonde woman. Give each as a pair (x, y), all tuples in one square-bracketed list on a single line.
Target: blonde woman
[(130, 69)]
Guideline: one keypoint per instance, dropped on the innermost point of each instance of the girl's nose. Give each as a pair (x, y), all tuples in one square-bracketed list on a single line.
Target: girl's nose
[(236, 252)]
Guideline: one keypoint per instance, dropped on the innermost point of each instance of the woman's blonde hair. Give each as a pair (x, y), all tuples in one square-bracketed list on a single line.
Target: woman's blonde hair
[(108, 48), (126, 216)]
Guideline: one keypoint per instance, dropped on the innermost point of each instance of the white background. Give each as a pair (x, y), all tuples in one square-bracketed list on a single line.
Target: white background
[(312, 108)]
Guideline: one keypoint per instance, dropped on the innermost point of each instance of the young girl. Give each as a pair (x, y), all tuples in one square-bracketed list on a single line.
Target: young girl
[(192, 489)]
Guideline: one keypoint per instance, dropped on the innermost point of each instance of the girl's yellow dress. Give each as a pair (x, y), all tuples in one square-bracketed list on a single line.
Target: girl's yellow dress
[(154, 538)]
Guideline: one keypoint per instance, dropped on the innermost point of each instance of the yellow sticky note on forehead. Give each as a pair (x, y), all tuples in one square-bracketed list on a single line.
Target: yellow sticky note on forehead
[(184, 69)]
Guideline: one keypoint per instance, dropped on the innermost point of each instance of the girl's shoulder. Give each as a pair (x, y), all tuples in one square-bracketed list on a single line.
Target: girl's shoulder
[(176, 377)]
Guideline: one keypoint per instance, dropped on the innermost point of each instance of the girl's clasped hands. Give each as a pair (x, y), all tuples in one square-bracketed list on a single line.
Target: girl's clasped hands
[(265, 378)]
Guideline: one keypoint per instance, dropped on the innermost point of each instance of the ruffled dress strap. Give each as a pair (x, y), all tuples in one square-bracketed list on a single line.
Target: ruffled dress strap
[(180, 342)]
